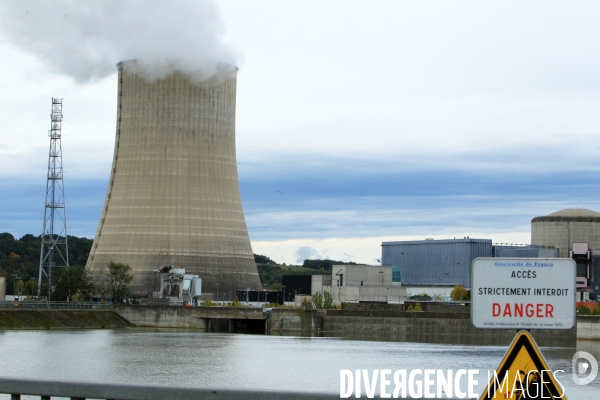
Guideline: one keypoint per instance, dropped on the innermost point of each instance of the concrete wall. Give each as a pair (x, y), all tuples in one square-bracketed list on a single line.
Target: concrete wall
[(285, 320), (431, 326), (343, 294), (588, 327), (2, 288), (361, 275), (173, 195), (211, 319)]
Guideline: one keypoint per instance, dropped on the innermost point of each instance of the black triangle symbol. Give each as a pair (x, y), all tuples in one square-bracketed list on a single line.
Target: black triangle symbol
[(531, 384)]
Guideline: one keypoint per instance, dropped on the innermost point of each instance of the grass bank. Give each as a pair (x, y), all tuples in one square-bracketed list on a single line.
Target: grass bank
[(60, 319)]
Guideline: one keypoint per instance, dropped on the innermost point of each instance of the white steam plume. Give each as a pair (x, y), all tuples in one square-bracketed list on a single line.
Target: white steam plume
[(86, 39)]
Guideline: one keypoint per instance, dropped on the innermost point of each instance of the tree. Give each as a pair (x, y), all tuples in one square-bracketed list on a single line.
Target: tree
[(327, 300), (324, 265), (318, 300), (459, 293), (118, 279), (260, 259), (71, 281)]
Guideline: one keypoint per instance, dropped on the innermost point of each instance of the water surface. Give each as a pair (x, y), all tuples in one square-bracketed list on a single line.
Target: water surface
[(220, 360)]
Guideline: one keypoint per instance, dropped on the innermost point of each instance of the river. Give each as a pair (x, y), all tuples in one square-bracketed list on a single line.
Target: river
[(186, 358)]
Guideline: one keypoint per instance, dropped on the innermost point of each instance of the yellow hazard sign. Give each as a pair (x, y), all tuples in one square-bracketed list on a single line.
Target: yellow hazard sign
[(523, 374)]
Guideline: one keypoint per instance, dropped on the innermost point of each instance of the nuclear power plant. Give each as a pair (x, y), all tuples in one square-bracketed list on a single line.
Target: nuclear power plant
[(173, 195)]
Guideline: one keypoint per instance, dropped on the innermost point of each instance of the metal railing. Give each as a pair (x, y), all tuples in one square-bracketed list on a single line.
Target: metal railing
[(56, 305), (16, 387)]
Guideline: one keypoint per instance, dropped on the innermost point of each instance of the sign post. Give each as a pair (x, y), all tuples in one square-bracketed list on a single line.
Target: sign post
[(523, 374), (524, 294)]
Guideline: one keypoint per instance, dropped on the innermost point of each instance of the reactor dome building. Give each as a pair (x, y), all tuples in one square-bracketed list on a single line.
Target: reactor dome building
[(173, 195), (563, 228), (575, 232)]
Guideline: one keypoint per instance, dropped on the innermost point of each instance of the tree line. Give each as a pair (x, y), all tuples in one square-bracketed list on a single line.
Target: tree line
[(20, 258)]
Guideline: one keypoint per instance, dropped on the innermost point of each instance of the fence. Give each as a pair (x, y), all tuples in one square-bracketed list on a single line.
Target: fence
[(56, 305), (16, 387)]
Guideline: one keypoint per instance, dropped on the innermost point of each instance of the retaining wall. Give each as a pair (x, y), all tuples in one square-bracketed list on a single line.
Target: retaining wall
[(209, 319), (60, 319), (588, 327), (431, 326)]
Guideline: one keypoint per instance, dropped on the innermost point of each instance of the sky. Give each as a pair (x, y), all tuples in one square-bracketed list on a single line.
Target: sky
[(357, 122)]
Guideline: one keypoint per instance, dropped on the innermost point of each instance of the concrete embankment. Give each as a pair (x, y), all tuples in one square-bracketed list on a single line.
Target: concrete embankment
[(432, 327), (209, 319), (60, 319), (588, 327)]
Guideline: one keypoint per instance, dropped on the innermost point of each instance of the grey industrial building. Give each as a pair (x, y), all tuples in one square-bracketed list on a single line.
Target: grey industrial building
[(173, 195), (574, 233), (435, 262), (349, 282)]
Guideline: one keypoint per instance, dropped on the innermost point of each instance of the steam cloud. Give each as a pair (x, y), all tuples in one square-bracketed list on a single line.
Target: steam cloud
[(86, 39)]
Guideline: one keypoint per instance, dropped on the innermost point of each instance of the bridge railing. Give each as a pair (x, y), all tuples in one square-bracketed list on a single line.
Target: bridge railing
[(17, 387), (56, 305)]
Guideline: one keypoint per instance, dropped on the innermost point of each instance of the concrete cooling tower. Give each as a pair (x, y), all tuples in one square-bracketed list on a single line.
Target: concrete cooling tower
[(173, 196)]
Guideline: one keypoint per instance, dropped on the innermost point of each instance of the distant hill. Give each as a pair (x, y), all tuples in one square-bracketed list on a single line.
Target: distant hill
[(271, 272), (21, 257)]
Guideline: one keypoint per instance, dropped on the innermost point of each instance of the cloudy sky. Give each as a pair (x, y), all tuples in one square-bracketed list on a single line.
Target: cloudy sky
[(377, 121)]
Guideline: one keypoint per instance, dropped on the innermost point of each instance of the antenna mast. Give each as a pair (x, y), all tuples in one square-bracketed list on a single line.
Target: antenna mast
[(55, 250)]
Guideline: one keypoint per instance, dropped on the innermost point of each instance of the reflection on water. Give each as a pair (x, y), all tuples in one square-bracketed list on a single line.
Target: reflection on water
[(187, 358), (482, 340)]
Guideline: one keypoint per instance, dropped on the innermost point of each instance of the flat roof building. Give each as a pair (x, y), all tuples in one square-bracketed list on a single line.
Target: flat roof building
[(445, 262)]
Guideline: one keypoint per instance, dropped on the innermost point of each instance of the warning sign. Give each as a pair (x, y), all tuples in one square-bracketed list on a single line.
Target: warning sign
[(523, 293), (523, 374)]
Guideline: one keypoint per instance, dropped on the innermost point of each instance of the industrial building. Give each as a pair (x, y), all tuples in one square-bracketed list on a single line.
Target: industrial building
[(349, 282), (574, 233), (523, 251), (260, 296), (173, 195), (291, 285), (435, 263)]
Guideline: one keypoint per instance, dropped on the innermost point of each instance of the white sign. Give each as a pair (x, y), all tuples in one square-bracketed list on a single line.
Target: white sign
[(523, 293)]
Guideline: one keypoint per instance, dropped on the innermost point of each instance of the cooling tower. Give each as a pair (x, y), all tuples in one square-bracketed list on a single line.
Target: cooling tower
[(173, 196)]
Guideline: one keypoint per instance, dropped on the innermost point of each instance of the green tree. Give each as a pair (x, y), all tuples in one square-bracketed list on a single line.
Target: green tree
[(459, 293), (118, 279), (324, 265), (327, 300), (259, 259), (582, 309), (318, 300), (71, 281)]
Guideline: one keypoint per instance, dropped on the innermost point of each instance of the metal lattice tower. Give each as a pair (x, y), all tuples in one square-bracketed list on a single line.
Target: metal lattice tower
[(55, 250)]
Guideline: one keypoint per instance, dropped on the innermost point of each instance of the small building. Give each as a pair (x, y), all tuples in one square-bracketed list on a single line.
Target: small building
[(349, 282), (357, 283)]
